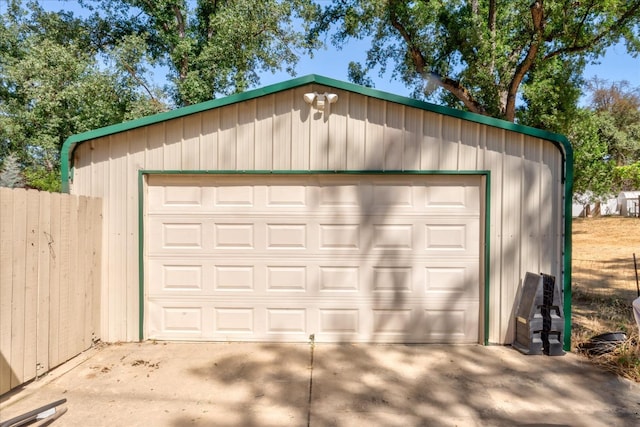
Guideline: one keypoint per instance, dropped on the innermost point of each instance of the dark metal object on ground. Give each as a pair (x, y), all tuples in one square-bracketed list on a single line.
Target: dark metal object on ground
[(603, 343)]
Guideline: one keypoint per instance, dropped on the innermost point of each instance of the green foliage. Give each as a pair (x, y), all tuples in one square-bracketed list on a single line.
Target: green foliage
[(606, 141), (619, 105), (592, 169), (626, 178), (52, 86), (219, 47), (11, 173), (483, 54), (42, 179), (550, 95)]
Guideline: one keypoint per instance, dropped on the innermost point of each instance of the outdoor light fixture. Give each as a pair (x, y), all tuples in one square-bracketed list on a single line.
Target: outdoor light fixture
[(323, 100)]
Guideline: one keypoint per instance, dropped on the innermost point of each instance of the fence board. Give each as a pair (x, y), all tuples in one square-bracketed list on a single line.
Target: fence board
[(31, 284), (44, 255), (50, 275), (64, 289), (18, 284), (6, 287), (54, 278)]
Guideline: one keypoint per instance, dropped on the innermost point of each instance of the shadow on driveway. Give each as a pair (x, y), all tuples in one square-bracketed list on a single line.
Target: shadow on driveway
[(242, 384)]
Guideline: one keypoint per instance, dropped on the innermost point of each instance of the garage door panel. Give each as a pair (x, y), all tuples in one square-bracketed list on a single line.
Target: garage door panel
[(179, 320), (286, 278), (179, 276), (329, 322), (453, 237), (213, 278), (234, 236), (278, 258)]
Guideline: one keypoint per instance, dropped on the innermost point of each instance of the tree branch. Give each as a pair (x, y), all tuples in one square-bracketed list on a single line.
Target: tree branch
[(140, 81), (537, 17), (421, 65), (619, 23)]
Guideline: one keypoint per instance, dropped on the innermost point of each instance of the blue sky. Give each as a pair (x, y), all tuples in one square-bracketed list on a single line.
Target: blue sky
[(616, 65)]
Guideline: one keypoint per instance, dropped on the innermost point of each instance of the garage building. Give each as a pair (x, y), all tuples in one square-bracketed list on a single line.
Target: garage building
[(319, 207)]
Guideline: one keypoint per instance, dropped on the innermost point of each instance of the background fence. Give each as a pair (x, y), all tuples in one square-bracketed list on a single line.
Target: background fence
[(49, 281)]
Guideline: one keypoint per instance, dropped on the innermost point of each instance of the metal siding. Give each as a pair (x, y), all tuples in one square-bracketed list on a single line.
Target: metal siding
[(319, 140), (172, 145), (83, 178), (154, 155), (412, 139), (511, 229), (116, 219), (494, 162), (191, 142), (282, 139), (393, 137), (432, 135), (137, 141), (281, 132), (531, 208), (449, 144), (336, 118), (227, 138), (300, 131), (469, 149), (374, 142), (208, 140), (556, 225), (248, 139), (356, 132)]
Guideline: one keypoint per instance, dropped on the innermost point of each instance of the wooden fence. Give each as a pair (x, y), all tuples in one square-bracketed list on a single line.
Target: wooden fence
[(50, 247)]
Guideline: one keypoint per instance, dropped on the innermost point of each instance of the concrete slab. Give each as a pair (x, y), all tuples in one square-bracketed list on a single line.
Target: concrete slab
[(239, 384)]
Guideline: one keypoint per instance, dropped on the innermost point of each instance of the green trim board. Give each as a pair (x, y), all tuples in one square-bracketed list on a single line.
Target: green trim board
[(487, 212), (141, 297), (487, 252)]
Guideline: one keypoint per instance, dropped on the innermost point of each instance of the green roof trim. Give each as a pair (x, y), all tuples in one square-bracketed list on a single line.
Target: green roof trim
[(73, 141)]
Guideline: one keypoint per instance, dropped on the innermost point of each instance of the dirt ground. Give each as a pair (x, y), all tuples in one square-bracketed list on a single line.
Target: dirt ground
[(604, 286)]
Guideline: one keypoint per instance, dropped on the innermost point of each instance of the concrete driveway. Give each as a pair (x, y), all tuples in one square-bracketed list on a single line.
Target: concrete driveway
[(207, 384)]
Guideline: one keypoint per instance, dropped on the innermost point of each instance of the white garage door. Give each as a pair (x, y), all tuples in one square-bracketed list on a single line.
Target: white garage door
[(347, 258)]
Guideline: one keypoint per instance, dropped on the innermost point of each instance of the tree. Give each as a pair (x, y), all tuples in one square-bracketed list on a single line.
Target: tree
[(620, 104), (606, 140), (10, 173), (626, 178), (592, 166), (52, 86), (216, 47), (482, 53)]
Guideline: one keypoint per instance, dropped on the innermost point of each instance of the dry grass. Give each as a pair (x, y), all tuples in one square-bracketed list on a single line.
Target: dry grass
[(604, 287)]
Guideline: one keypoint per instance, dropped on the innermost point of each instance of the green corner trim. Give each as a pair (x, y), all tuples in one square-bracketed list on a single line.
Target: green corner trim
[(568, 248)]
